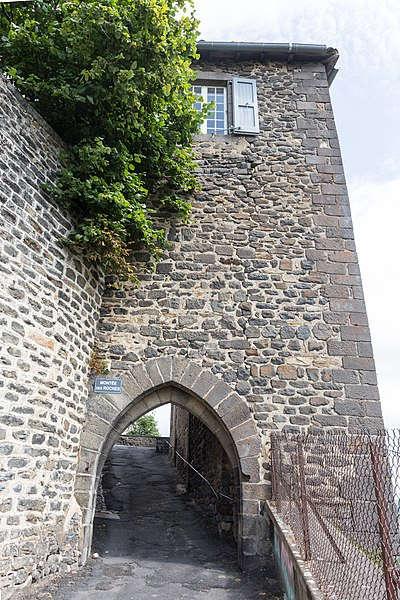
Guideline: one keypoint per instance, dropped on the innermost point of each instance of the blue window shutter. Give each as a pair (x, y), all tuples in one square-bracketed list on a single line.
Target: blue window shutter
[(245, 109)]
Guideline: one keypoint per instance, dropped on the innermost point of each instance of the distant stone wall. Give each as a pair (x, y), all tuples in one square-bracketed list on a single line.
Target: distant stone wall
[(179, 440), (146, 441), (142, 441), (49, 304), (205, 453)]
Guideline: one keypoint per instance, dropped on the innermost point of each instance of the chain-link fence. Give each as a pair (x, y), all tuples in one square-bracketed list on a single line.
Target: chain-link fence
[(340, 493)]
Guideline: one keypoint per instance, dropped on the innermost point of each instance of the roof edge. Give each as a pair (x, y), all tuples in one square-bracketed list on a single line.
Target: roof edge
[(261, 50)]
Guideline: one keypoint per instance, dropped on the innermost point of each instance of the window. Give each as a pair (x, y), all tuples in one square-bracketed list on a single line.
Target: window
[(216, 121), (234, 107)]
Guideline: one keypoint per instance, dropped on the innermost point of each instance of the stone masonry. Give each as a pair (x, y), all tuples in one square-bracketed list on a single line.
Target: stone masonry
[(179, 440), (195, 442), (263, 287), (49, 304), (260, 293)]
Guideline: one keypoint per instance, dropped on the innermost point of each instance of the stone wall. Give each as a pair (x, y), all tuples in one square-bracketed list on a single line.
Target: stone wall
[(263, 287), (179, 439), (49, 304), (146, 441), (261, 290), (205, 453), (142, 441)]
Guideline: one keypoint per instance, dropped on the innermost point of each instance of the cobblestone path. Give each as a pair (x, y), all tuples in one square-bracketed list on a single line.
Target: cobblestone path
[(161, 547)]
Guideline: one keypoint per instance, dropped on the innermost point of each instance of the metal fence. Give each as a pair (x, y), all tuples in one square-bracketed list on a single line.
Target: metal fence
[(340, 493)]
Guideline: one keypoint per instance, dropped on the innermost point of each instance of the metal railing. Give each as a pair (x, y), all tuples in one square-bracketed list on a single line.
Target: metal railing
[(339, 493)]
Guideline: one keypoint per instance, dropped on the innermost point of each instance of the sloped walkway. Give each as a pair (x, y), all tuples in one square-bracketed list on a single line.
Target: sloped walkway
[(161, 547)]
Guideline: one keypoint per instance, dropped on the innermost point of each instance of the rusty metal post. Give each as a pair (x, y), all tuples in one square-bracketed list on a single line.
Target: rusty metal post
[(276, 489), (379, 468), (303, 502)]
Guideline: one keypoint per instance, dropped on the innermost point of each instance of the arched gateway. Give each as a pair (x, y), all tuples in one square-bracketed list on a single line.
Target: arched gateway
[(174, 380), (263, 283)]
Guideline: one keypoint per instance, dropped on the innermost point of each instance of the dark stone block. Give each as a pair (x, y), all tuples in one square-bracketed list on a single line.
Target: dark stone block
[(362, 392), (349, 408), (337, 348)]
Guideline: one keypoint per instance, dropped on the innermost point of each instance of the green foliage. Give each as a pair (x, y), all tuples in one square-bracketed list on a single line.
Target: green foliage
[(113, 78), (145, 425)]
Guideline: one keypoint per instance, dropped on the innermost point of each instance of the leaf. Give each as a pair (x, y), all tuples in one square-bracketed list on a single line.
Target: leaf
[(113, 78)]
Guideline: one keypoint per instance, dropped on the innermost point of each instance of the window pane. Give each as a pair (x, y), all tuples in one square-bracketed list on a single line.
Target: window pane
[(197, 105), (216, 121)]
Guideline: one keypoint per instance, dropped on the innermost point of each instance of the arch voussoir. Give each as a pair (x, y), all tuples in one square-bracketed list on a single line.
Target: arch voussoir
[(203, 384), (237, 416), (190, 375), (154, 373), (141, 376), (178, 367), (165, 394), (248, 447), (231, 402), (131, 389), (251, 468), (164, 364), (97, 425), (218, 393), (102, 407), (244, 430)]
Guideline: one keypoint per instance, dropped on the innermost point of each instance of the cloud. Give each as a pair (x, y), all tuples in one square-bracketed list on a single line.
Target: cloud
[(366, 30), (376, 216), (366, 92)]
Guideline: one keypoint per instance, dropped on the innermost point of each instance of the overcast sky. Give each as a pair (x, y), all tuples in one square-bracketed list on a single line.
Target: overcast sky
[(366, 101)]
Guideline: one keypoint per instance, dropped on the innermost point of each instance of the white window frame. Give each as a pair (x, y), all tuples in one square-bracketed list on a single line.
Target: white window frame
[(204, 95)]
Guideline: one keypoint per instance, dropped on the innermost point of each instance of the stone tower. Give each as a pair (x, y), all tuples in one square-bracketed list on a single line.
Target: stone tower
[(254, 320)]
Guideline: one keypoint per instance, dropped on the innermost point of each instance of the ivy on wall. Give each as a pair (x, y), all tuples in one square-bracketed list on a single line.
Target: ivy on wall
[(113, 78)]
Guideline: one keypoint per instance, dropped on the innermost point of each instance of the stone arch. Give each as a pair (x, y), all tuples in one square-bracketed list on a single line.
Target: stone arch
[(161, 381)]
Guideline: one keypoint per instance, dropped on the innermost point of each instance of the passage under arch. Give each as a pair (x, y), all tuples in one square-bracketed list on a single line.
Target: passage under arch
[(212, 401)]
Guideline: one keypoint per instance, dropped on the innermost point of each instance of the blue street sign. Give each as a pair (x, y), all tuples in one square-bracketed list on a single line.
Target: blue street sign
[(107, 385)]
